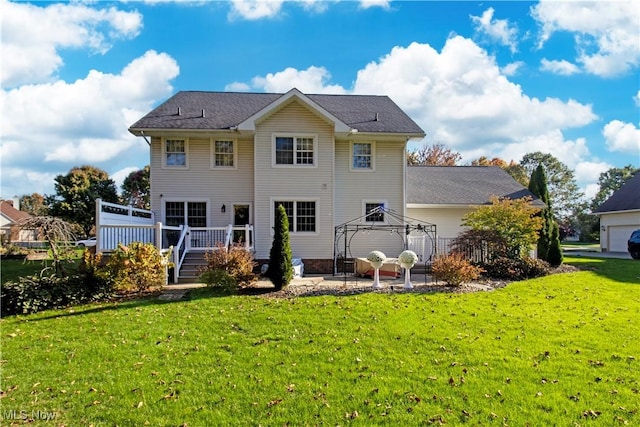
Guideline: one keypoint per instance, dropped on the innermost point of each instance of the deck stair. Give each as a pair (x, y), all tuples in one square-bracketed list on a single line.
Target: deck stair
[(191, 267)]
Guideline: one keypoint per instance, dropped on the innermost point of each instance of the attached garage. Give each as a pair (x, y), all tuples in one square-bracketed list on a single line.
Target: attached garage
[(620, 216)]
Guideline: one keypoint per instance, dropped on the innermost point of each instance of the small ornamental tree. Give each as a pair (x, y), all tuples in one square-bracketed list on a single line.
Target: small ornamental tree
[(514, 221), (538, 186), (554, 255), (280, 270)]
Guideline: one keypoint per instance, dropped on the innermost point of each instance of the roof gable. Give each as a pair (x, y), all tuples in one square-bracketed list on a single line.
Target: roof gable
[(250, 122), (207, 111), (626, 198), (11, 213), (462, 185)]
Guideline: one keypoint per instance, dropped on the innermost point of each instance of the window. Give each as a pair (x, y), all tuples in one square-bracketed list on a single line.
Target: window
[(294, 150), (175, 151), (301, 214), (374, 211), (224, 154), (362, 156), (196, 214)]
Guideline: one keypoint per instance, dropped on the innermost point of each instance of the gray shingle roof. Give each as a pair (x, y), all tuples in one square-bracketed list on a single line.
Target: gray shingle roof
[(627, 197), (224, 110), (461, 185)]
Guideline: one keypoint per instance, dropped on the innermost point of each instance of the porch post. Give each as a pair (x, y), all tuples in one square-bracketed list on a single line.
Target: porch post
[(159, 236), (98, 225), (246, 237)]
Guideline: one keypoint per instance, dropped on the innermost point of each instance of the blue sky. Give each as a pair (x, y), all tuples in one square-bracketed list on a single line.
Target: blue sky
[(496, 79)]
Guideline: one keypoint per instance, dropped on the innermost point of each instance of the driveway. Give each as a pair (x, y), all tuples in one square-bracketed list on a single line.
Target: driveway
[(594, 254)]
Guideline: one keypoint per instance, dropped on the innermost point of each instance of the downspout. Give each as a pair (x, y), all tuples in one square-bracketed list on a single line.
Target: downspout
[(145, 138)]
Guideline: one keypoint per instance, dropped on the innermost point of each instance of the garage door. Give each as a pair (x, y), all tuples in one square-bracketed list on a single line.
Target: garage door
[(618, 236)]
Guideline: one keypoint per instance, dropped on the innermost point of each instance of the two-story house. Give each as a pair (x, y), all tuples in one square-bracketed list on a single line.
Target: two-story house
[(220, 158)]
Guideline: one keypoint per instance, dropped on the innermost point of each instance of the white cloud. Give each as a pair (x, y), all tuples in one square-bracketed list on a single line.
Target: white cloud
[(33, 48), (367, 4), (254, 9), (312, 80), (562, 67), (512, 68), (605, 32), (624, 137), (497, 30), (461, 99), (636, 98), (85, 121)]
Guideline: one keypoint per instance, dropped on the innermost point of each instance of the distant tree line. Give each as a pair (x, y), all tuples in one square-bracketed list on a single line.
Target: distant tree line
[(570, 209)]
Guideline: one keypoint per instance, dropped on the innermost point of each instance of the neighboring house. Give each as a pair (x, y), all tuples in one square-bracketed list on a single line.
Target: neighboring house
[(220, 158), (619, 216), (9, 216), (442, 195)]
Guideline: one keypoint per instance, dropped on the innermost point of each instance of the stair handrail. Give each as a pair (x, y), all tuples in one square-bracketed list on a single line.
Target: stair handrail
[(180, 252), (229, 237)]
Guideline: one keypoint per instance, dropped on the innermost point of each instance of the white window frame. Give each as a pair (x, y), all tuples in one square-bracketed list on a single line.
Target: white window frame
[(294, 136), (295, 201), (352, 155), (213, 153), (186, 201), (164, 153), (378, 202)]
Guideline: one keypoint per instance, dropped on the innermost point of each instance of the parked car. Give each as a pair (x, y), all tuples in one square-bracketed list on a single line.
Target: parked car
[(86, 242), (633, 245)]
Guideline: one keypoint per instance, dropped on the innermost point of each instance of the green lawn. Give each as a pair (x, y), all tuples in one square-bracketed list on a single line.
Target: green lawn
[(561, 350)]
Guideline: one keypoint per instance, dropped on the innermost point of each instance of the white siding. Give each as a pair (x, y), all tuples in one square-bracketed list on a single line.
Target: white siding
[(448, 221), (385, 182), (202, 183), (615, 229), (294, 183)]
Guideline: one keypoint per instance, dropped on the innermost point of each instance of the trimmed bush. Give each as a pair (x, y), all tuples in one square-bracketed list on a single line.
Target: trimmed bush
[(454, 269), (230, 269), (516, 269)]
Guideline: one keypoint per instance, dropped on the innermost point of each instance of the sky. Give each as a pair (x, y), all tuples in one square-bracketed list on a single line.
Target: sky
[(494, 79)]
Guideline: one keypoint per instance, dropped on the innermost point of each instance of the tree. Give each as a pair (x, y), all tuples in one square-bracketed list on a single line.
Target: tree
[(57, 233), (554, 254), (136, 189), (77, 192), (514, 169), (433, 155), (485, 161), (34, 204), (609, 182), (514, 221), (538, 186), (280, 270), (564, 193)]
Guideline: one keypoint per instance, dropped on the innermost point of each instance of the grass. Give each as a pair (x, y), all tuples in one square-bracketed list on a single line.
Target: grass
[(12, 269), (559, 350)]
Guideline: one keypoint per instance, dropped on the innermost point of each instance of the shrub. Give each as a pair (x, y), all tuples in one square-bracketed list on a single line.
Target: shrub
[(454, 269), (46, 291), (137, 267), (480, 245), (516, 268), (229, 269), (280, 270)]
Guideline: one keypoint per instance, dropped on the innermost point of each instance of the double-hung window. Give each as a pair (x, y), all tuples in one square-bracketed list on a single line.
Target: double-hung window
[(175, 153), (224, 154), (294, 150), (301, 214), (362, 156), (374, 211)]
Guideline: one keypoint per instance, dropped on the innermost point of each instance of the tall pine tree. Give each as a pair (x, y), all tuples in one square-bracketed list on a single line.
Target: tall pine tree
[(280, 270), (538, 186)]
